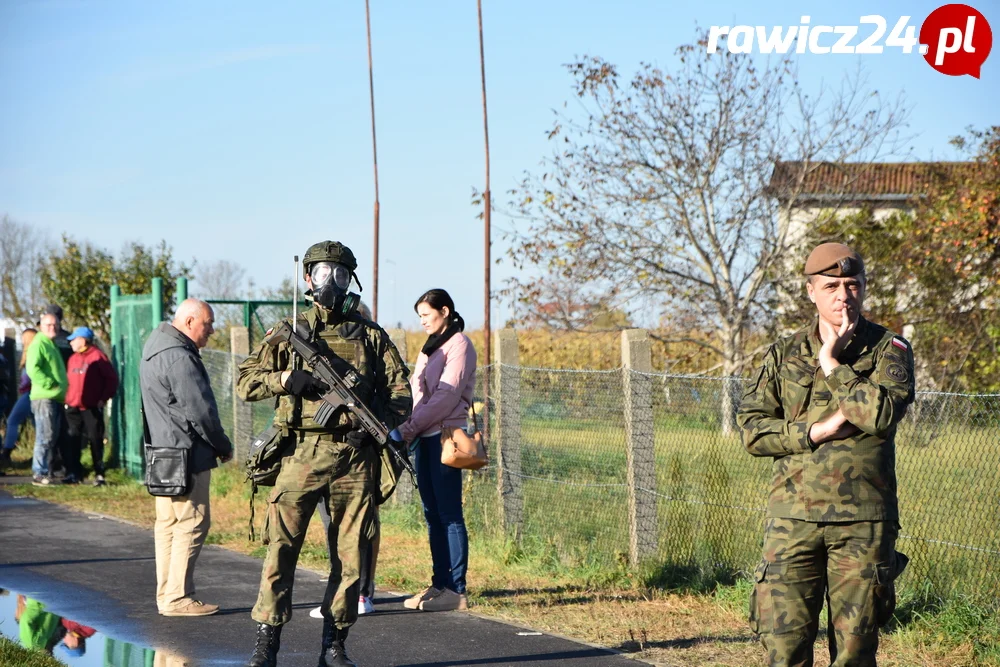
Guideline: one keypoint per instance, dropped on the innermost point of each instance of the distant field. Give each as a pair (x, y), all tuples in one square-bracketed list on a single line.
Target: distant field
[(711, 494)]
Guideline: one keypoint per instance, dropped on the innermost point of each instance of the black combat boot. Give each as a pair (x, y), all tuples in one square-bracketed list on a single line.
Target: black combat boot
[(265, 653), (333, 653)]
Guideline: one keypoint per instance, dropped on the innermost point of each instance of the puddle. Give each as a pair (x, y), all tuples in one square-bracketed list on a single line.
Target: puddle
[(26, 622)]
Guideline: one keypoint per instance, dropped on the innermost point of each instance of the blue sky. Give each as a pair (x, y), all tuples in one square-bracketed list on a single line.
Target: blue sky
[(240, 130)]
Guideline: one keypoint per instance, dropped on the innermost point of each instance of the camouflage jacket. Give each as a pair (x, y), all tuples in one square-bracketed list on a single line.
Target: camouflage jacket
[(853, 479), (358, 344)]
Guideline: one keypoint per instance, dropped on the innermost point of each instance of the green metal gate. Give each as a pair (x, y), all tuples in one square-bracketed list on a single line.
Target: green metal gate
[(133, 318)]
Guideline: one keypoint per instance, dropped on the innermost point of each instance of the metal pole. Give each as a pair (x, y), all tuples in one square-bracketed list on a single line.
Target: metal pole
[(115, 332), (371, 97), (157, 299), (487, 329), (295, 293)]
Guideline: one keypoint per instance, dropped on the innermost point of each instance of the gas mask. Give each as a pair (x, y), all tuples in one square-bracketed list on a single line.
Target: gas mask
[(330, 284)]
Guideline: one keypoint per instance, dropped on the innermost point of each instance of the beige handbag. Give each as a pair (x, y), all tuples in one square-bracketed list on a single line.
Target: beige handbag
[(458, 450)]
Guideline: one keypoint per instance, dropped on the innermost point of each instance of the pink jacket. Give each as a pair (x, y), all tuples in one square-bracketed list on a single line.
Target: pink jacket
[(442, 387)]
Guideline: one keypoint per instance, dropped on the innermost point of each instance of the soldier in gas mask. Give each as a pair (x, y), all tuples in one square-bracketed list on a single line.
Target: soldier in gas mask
[(336, 464)]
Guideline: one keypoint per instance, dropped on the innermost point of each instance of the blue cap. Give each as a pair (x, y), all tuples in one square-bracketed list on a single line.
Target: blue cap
[(82, 332), (74, 652)]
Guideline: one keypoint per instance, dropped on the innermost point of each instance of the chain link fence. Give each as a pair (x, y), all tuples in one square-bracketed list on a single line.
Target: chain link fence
[(603, 468), (242, 420), (256, 316)]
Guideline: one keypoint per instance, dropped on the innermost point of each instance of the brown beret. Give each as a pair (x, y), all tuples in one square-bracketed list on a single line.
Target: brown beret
[(835, 260)]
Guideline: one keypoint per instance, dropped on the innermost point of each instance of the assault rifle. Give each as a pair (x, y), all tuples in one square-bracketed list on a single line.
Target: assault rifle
[(341, 394)]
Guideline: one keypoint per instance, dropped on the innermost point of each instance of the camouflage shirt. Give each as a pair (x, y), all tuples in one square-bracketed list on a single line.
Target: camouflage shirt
[(359, 345), (853, 479)]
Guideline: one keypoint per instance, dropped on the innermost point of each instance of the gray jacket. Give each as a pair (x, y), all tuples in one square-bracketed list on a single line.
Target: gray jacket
[(178, 399)]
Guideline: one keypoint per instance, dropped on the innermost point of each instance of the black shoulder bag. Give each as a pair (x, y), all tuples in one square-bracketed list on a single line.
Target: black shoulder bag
[(167, 470)]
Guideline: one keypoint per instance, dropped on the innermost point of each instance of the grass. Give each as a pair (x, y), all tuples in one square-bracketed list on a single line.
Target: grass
[(12, 654), (569, 574)]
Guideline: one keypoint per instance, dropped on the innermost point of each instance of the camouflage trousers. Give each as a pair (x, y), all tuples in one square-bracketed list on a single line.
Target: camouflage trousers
[(851, 566), (342, 477)]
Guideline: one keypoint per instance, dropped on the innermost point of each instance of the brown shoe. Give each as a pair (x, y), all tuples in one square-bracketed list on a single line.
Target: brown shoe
[(427, 594), (192, 608), (446, 600)]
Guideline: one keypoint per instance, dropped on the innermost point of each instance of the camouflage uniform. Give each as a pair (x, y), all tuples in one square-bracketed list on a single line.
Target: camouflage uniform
[(832, 517), (323, 466)]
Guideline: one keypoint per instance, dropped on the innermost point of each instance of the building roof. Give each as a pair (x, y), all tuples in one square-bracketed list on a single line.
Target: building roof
[(859, 180)]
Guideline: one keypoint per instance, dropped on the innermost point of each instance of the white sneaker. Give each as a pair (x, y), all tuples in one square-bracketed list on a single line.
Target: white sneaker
[(316, 613), (365, 605)]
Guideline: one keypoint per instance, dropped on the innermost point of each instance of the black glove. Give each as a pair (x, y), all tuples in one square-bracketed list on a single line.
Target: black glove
[(302, 383), (356, 439)]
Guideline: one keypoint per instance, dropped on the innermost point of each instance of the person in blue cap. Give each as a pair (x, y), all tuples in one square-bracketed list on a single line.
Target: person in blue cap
[(92, 381)]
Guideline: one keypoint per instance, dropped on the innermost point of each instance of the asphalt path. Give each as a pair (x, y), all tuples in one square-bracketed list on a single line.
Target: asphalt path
[(100, 572)]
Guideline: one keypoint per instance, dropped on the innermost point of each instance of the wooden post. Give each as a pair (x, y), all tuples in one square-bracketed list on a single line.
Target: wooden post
[(508, 431), (239, 345), (639, 444), (404, 489)]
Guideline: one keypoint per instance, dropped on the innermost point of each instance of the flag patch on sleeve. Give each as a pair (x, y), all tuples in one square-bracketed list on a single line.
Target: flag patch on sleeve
[(900, 343)]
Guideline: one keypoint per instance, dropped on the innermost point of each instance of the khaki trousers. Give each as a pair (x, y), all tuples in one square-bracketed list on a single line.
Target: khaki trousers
[(181, 526), (342, 477)]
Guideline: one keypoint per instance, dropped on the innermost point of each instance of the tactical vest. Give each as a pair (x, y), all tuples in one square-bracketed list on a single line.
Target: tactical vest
[(348, 348)]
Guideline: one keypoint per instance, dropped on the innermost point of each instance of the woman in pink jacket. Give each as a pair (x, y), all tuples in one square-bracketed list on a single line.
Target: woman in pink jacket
[(442, 384)]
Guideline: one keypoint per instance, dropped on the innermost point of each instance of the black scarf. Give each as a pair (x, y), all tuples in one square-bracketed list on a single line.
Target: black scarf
[(434, 341)]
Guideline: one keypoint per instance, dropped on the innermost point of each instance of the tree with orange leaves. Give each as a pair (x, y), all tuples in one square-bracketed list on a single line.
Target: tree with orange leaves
[(937, 269)]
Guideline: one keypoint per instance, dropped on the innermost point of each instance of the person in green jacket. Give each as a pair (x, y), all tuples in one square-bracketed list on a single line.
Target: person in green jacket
[(47, 372), (37, 628)]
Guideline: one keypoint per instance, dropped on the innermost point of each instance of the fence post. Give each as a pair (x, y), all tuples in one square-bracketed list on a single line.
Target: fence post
[(404, 488), (156, 294), (239, 344), (117, 437), (182, 290), (508, 430), (116, 292), (639, 444)]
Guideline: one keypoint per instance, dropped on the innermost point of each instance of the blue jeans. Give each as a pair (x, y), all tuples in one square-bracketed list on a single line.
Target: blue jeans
[(441, 493), (18, 414), (48, 415)]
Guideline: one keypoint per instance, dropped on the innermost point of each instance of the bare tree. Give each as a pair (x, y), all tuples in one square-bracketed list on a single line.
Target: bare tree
[(282, 292), (22, 248), (220, 279), (659, 189)]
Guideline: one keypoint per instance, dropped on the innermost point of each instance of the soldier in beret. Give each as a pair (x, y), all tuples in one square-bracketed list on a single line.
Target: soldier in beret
[(825, 406)]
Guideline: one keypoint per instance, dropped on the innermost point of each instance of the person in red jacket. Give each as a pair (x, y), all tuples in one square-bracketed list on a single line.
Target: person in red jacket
[(92, 381)]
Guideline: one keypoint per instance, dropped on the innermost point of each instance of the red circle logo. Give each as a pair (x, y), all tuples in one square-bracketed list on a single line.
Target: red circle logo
[(956, 40)]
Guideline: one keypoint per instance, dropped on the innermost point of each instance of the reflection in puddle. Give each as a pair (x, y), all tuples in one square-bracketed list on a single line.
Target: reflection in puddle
[(26, 621)]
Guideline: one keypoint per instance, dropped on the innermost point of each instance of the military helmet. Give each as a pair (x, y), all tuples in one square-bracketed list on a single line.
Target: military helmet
[(328, 251)]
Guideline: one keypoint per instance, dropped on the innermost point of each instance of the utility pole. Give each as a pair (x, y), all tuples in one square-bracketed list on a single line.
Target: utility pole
[(371, 97), (487, 204)]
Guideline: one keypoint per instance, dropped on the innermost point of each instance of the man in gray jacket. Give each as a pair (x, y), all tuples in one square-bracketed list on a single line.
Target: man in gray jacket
[(181, 412)]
